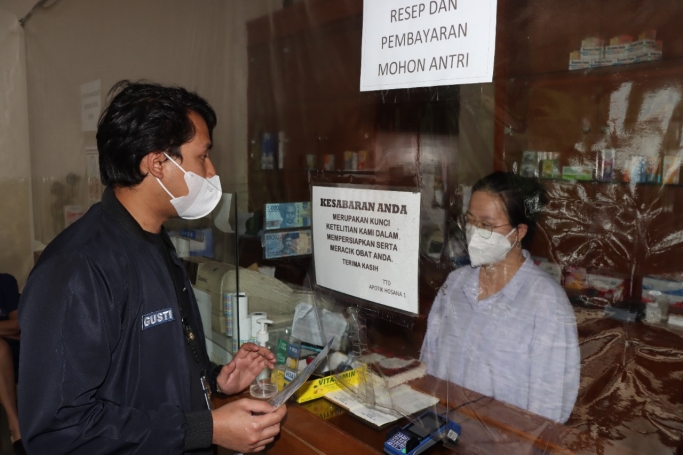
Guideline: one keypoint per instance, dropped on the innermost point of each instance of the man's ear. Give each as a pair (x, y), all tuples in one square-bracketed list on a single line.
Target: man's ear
[(152, 164)]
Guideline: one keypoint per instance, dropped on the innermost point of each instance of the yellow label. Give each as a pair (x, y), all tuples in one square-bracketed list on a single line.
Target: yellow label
[(317, 388)]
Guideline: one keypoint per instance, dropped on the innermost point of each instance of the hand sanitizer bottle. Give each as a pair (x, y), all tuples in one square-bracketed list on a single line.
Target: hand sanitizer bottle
[(262, 387)]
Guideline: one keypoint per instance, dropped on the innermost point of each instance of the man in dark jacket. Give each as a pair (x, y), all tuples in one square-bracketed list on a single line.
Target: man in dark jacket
[(113, 355)]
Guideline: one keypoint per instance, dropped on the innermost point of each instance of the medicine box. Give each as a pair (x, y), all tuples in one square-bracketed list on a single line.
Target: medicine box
[(660, 289), (653, 313), (594, 52), (619, 54), (579, 64), (646, 50), (576, 173), (317, 388), (610, 288), (575, 278)]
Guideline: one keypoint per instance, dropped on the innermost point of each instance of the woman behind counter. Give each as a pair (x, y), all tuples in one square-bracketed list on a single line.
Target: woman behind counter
[(503, 327)]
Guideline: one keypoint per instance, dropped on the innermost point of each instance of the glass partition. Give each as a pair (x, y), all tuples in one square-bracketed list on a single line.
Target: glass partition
[(578, 347), (542, 268)]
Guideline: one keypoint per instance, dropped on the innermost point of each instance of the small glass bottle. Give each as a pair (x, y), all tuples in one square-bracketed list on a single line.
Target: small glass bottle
[(263, 388)]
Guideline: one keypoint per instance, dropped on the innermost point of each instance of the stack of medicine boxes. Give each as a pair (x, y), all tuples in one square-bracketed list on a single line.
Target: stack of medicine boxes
[(621, 50)]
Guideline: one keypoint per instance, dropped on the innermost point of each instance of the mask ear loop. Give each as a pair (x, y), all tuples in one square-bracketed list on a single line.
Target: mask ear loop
[(518, 243), (164, 186), (184, 171), (173, 161)]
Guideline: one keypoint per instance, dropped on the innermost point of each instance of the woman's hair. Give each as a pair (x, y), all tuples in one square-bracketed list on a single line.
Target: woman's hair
[(523, 198)]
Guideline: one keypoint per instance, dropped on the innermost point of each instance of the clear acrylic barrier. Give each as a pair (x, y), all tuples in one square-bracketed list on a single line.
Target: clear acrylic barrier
[(583, 356), (577, 350)]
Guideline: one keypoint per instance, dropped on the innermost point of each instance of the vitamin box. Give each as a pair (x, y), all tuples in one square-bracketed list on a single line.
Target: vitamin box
[(317, 388)]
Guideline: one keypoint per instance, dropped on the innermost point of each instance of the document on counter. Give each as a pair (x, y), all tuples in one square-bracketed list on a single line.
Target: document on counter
[(404, 401)]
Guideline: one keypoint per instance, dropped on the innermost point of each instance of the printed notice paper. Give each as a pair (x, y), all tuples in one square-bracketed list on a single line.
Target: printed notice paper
[(366, 244), (423, 43), (91, 104)]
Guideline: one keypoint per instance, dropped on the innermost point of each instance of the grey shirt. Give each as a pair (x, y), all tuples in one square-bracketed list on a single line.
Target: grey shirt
[(519, 345)]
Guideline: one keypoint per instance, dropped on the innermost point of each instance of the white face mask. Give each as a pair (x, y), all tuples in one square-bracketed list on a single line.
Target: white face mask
[(486, 251), (204, 195)]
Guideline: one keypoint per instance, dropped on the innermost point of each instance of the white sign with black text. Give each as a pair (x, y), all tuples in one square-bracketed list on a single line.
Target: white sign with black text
[(366, 244), (424, 43)]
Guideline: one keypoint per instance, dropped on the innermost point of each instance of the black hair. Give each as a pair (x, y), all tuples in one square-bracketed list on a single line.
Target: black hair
[(522, 197), (144, 117)]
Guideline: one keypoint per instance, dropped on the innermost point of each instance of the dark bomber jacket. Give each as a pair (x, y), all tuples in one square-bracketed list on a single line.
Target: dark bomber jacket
[(100, 372)]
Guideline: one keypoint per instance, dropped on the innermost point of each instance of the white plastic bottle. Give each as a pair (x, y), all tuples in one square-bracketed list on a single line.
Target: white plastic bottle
[(263, 388)]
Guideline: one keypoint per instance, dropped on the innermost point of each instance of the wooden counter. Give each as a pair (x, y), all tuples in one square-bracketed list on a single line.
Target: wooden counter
[(488, 427)]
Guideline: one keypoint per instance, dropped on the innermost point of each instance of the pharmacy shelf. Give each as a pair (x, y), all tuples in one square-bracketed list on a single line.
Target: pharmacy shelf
[(600, 182), (660, 68)]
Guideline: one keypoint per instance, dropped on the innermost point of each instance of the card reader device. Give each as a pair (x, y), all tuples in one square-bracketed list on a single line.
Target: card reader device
[(416, 437)]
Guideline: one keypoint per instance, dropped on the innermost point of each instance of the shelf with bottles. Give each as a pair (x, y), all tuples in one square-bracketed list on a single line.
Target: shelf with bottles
[(293, 170), (605, 167)]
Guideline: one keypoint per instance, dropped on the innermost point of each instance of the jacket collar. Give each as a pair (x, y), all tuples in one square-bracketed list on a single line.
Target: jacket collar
[(113, 207)]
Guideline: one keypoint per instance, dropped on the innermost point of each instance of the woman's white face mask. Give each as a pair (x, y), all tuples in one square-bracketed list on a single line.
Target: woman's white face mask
[(204, 195), (485, 251)]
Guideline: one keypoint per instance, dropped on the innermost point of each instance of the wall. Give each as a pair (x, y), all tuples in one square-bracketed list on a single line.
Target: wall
[(198, 44), (15, 171)]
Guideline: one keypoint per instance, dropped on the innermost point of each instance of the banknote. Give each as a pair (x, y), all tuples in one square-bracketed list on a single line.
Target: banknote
[(287, 244), (288, 215)]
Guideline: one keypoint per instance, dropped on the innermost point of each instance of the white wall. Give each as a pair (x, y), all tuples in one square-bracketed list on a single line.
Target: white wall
[(15, 173), (198, 44)]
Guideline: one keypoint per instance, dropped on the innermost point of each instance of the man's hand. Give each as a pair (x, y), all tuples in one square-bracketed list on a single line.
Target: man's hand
[(236, 427), (249, 361)]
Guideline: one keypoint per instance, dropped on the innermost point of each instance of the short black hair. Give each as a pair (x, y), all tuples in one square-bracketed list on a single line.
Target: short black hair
[(144, 117), (524, 198)]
